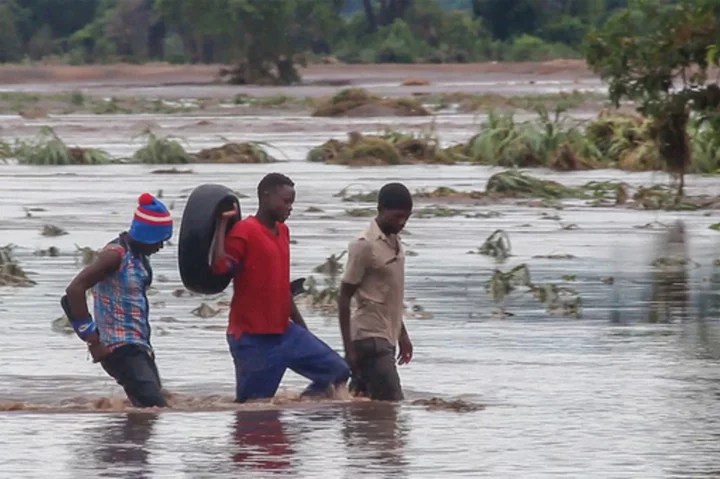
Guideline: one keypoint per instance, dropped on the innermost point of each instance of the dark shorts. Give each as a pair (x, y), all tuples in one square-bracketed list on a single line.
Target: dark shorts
[(376, 376), (134, 368), (262, 359)]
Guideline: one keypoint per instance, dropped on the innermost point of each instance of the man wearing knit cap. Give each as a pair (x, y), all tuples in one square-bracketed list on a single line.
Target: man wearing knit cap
[(118, 337)]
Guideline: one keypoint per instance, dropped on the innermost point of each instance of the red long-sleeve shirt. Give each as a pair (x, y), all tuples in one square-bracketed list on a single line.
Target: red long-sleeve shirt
[(261, 302)]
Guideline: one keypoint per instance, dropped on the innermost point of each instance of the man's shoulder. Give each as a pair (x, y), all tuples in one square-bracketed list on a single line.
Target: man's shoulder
[(244, 226), (360, 246)]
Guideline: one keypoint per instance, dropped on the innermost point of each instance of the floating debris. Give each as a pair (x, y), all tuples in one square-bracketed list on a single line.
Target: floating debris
[(11, 274), (554, 256), (86, 254), (513, 183), (62, 325), (437, 211), (172, 171), (52, 252), (52, 230), (249, 152), (359, 197), (558, 300), (458, 405), (361, 212), (205, 311), (496, 245), (389, 149), (360, 102), (332, 266)]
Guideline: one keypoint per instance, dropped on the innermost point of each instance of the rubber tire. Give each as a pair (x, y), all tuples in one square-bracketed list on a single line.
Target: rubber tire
[(197, 229)]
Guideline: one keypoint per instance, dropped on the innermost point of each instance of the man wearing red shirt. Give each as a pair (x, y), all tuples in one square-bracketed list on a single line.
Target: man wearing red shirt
[(263, 340)]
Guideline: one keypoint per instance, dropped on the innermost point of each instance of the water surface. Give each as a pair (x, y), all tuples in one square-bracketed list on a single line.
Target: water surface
[(608, 395)]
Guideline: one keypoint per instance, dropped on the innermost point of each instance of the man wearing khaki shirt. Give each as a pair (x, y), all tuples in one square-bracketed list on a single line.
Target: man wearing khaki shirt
[(375, 276)]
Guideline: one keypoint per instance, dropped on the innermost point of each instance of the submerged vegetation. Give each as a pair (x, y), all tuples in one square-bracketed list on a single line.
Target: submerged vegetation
[(11, 274), (513, 184), (47, 148), (360, 102), (609, 141), (349, 102), (390, 148)]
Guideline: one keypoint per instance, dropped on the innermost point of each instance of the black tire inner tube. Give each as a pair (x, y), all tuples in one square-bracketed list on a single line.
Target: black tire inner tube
[(197, 229)]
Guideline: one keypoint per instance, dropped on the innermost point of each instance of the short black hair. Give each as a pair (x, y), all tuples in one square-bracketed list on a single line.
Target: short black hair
[(272, 181), (395, 196)]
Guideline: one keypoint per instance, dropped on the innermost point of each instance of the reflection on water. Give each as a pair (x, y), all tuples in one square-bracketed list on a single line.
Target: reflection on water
[(260, 441), (670, 295), (119, 445), (375, 437)]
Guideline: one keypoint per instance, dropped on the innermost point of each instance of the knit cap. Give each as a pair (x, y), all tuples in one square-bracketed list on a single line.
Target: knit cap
[(152, 222)]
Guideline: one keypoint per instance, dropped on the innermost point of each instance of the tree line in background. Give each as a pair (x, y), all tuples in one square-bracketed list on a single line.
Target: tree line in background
[(267, 37)]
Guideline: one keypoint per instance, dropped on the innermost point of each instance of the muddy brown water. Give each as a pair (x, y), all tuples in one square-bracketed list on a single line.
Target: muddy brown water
[(608, 395)]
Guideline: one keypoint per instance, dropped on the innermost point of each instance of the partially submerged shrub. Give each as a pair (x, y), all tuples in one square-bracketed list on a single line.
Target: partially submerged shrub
[(360, 102), (48, 149), (514, 183), (164, 150), (389, 149), (544, 142), (558, 300), (249, 152)]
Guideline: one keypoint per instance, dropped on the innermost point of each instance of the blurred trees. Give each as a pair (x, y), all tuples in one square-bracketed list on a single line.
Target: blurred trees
[(658, 53)]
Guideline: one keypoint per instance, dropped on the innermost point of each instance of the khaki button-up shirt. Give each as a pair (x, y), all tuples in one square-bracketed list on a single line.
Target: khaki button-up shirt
[(377, 267)]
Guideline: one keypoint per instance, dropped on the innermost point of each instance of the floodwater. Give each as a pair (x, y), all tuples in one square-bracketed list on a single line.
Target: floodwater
[(608, 395)]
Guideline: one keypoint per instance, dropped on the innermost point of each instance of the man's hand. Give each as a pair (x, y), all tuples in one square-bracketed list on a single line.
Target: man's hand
[(405, 352), (98, 351), (228, 215), (223, 220)]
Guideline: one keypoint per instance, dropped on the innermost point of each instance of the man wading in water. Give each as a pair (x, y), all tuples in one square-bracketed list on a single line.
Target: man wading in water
[(262, 339), (375, 275), (119, 335)]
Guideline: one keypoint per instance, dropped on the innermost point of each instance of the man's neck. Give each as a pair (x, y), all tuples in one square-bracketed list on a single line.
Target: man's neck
[(265, 219)]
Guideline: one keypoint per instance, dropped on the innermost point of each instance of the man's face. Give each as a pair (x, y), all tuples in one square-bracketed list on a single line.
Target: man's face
[(280, 202), (393, 221)]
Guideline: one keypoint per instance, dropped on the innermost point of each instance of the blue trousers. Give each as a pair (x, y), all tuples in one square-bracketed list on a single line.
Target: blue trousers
[(262, 359)]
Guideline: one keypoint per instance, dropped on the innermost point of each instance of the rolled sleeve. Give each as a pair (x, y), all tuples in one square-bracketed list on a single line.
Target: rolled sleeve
[(359, 258)]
